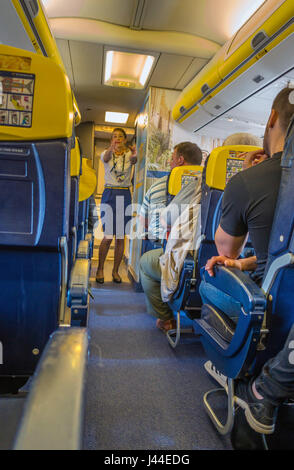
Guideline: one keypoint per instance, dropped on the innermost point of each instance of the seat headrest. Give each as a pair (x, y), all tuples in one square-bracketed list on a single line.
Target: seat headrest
[(75, 159), (182, 175), (223, 163), (88, 180), (36, 97)]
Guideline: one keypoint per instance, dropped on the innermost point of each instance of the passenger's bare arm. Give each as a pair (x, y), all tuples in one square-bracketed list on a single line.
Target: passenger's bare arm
[(229, 246)]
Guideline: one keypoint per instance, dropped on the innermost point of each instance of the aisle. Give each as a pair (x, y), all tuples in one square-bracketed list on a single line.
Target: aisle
[(142, 394)]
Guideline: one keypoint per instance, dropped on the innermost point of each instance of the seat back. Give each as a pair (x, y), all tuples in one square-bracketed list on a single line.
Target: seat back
[(36, 122), (87, 186), (75, 170), (180, 177), (223, 163)]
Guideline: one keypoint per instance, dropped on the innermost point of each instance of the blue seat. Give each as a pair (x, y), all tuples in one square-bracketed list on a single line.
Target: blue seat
[(81, 221), (222, 163), (78, 291), (33, 233), (75, 170), (87, 186), (73, 221), (266, 313), (34, 214)]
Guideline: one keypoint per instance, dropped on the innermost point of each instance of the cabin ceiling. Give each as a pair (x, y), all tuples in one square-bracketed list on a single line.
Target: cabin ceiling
[(184, 34), (216, 20), (193, 31), (84, 65)]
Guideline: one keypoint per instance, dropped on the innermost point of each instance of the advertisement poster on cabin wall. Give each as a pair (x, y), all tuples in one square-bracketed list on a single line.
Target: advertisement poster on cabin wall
[(155, 128), (160, 133)]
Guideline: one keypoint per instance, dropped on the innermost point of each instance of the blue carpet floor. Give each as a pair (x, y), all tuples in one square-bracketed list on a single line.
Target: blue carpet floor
[(142, 394)]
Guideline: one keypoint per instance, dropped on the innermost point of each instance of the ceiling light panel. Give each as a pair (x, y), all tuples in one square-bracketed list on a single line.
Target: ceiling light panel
[(118, 118), (127, 69)]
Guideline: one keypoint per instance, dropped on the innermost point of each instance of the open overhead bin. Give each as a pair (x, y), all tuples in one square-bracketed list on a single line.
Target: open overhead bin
[(260, 52)]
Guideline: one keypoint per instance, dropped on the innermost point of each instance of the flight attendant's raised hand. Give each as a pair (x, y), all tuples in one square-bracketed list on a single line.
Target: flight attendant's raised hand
[(133, 157)]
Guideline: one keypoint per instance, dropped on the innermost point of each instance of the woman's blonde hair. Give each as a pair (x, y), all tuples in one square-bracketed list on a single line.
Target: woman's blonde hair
[(243, 138)]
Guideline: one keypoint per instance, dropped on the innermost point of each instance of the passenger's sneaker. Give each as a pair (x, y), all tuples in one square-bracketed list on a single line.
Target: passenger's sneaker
[(260, 414), (166, 325), (216, 375)]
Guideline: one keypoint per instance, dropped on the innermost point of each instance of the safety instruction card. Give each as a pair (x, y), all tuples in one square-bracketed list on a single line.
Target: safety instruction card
[(16, 99)]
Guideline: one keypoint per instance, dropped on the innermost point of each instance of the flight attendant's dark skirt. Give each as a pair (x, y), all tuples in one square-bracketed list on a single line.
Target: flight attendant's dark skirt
[(115, 212)]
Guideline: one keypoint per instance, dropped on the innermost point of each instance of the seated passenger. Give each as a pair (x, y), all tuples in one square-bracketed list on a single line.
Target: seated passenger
[(261, 397), (248, 207), (243, 138), (160, 273), (185, 153), (157, 266)]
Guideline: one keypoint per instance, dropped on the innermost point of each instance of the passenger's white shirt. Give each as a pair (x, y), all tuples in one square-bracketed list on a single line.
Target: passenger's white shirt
[(118, 170), (185, 236)]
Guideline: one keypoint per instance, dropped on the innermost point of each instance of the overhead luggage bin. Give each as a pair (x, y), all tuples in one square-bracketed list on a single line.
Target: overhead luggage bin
[(254, 57), (190, 98)]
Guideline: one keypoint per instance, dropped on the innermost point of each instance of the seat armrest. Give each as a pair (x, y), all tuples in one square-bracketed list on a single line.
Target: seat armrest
[(239, 285), (83, 249), (186, 274), (188, 267), (90, 239), (79, 283), (53, 416), (241, 349)]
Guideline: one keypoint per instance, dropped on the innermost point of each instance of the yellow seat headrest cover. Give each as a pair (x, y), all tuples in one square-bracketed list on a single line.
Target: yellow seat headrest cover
[(75, 160), (88, 180), (35, 97), (182, 175), (223, 163)]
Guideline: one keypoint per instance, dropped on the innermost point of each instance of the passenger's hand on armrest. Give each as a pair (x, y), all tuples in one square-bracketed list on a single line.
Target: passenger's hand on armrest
[(221, 260), (244, 264)]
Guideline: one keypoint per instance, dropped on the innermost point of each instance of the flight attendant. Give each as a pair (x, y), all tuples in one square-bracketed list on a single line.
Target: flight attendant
[(118, 160)]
